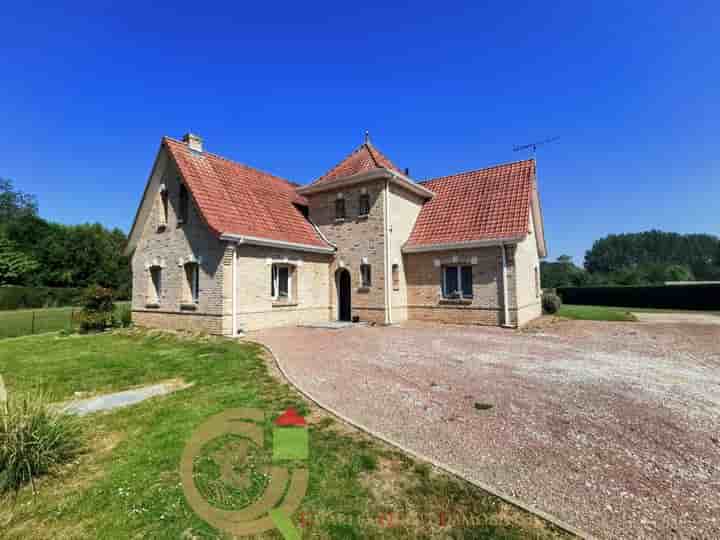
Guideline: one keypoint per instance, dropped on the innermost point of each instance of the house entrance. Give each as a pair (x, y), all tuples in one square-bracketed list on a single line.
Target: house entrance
[(344, 291)]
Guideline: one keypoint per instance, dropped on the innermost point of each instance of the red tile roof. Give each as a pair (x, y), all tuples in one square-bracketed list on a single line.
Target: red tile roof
[(364, 158), (487, 204), (237, 199)]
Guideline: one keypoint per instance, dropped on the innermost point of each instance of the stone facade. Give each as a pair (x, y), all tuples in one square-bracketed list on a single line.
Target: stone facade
[(169, 245), (358, 239), (424, 290)]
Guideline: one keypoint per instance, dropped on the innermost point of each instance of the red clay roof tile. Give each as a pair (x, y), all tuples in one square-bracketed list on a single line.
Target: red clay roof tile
[(486, 204), (364, 158), (237, 199)]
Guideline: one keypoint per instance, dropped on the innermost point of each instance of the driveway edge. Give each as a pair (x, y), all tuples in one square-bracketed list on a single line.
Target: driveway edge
[(485, 487)]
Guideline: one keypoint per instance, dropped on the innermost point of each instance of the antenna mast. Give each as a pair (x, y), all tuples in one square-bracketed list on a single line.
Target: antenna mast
[(533, 146)]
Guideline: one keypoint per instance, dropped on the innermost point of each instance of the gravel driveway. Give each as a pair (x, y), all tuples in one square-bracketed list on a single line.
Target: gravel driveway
[(611, 427)]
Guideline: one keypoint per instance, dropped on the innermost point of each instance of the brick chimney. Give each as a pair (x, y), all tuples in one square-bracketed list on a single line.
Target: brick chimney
[(193, 141)]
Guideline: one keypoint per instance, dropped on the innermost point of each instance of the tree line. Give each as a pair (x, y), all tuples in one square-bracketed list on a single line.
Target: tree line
[(37, 252), (645, 258)]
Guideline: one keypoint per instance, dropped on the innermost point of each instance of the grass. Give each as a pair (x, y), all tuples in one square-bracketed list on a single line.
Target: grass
[(20, 322), (595, 313), (127, 483)]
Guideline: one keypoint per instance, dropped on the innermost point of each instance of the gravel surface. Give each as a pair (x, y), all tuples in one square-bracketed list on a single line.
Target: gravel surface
[(611, 427)]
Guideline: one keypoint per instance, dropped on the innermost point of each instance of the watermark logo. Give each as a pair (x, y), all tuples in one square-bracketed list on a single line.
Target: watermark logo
[(276, 487)]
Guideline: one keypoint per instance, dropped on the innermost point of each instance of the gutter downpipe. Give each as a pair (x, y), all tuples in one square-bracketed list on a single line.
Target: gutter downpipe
[(506, 308), (234, 291), (388, 229)]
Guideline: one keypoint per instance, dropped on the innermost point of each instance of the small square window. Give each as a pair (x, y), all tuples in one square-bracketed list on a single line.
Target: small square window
[(365, 276), (339, 208), (364, 204)]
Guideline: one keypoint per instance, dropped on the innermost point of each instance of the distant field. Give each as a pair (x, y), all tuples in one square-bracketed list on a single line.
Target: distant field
[(24, 322)]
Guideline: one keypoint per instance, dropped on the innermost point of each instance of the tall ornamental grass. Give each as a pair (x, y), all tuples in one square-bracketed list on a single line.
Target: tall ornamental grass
[(34, 438)]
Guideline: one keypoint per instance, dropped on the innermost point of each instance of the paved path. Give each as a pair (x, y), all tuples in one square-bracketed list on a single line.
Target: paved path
[(677, 317), (611, 427)]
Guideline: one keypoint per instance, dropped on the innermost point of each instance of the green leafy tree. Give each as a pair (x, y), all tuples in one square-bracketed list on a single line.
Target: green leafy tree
[(15, 266), (562, 273), (14, 203)]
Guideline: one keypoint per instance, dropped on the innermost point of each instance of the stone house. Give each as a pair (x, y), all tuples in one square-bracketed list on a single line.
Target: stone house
[(221, 247)]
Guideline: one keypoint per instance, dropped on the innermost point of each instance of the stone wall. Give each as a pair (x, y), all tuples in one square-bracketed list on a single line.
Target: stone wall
[(358, 238), (425, 299), (169, 245), (310, 284)]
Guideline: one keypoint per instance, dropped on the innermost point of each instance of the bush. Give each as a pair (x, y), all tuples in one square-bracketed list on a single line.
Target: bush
[(34, 438), (38, 297), (98, 309), (123, 317), (551, 303)]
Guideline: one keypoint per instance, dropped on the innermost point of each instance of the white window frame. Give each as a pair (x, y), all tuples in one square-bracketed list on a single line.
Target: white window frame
[(275, 278), (445, 293)]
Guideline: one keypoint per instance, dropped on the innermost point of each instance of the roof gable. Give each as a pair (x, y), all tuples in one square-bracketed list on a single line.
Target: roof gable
[(234, 199), (364, 158), (487, 204)]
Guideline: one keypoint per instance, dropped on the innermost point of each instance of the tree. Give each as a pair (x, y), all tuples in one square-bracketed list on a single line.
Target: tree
[(562, 273), (15, 266), (14, 203)]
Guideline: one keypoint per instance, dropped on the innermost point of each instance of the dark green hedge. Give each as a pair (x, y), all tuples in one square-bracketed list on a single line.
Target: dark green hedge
[(702, 297), (38, 297)]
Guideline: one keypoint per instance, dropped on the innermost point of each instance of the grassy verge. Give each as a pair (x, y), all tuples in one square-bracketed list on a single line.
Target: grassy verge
[(595, 313), (24, 322), (127, 485)]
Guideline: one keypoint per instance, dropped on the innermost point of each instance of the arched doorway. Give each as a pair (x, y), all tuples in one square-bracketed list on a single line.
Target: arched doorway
[(343, 290)]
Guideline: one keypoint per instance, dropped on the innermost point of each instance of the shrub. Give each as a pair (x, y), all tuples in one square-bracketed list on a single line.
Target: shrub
[(98, 309), (551, 303), (701, 296), (123, 316), (34, 438)]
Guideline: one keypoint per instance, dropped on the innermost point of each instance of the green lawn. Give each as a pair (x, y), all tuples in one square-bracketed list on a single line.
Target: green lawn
[(22, 322), (127, 483), (595, 313)]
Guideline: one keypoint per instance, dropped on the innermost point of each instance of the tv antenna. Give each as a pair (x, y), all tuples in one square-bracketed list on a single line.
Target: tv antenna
[(533, 146)]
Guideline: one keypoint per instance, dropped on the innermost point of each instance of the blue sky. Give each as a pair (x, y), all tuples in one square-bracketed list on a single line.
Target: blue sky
[(632, 89)]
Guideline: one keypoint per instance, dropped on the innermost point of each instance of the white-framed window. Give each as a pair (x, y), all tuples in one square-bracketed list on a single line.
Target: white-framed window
[(192, 279), (281, 282), (155, 285), (365, 276), (457, 281), (364, 204)]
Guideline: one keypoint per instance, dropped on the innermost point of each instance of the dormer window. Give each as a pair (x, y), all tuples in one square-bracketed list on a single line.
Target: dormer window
[(184, 204)]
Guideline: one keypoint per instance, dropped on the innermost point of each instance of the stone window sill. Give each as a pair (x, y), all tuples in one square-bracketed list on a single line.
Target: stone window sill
[(152, 305), (188, 306), (456, 301), (284, 304)]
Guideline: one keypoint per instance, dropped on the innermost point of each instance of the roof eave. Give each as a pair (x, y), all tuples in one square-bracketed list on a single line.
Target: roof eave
[(266, 242), (374, 174), (463, 245)]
